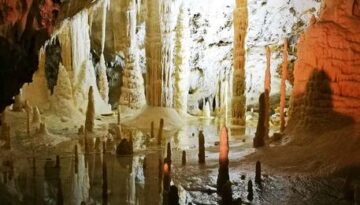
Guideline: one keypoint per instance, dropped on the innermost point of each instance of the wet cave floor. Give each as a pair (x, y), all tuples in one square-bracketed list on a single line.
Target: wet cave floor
[(35, 178)]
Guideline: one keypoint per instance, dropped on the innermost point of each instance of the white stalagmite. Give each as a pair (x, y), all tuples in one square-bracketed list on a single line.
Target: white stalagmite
[(90, 112), (85, 79), (103, 81), (106, 6), (37, 92), (182, 62), (132, 90), (62, 101)]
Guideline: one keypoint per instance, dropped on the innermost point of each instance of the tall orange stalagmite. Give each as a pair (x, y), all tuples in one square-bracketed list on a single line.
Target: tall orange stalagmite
[(223, 175), (283, 86)]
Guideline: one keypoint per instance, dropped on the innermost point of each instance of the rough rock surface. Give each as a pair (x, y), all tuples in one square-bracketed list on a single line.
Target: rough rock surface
[(327, 75)]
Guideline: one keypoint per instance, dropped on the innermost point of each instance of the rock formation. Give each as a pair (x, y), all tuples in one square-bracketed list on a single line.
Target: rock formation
[(201, 154), (167, 178), (160, 134), (28, 111), (223, 175), (18, 103), (173, 197), (183, 158), (238, 103), (90, 112), (36, 116), (168, 156), (326, 84), (258, 173), (124, 148), (250, 195), (132, 90), (267, 90), (226, 194), (259, 139), (283, 86), (206, 110), (5, 135), (103, 81), (181, 62)]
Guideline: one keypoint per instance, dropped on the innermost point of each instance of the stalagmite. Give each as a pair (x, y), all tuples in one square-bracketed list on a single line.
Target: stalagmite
[(226, 194), (76, 159), (18, 103), (36, 116), (183, 158), (65, 40), (42, 130), (103, 81), (173, 197), (90, 112), (118, 116), (168, 157), (132, 90), (28, 111), (250, 190), (152, 132), (81, 130), (97, 144), (160, 131), (267, 90), (167, 178), (181, 62), (223, 175), (124, 148), (238, 102), (201, 154), (37, 92), (104, 182), (283, 86), (258, 173), (62, 101), (259, 139)]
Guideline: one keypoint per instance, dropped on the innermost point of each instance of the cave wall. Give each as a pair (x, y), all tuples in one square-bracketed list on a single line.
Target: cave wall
[(327, 72)]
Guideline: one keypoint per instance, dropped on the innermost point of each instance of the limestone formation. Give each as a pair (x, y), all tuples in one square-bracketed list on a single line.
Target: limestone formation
[(206, 110), (183, 158), (132, 90), (42, 130), (182, 69), (160, 131), (327, 66), (81, 130), (36, 116), (76, 159), (226, 194), (238, 101), (90, 112), (103, 81), (18, 103), (259, 139), (152, 133), (5, 135), (104, 183), (283, 86), (250, 195), (223, 175), (168, 157), (173, 197), (28, 111), (201, 154), (258, 173), (267, 90), (118, 116), (167, 178), (37, 92)]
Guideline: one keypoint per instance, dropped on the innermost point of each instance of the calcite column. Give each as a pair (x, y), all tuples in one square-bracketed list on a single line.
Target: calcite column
[(159, 46), (132, 90), (238, 102), (181, 62)]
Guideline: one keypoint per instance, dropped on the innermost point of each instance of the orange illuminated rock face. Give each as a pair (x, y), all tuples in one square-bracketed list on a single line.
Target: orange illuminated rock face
[(327, 72)]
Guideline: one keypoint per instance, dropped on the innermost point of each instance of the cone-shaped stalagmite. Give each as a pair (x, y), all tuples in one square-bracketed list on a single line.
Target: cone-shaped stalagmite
[(267, 90), (160, 131), (226, 194), (90, 112), (223, 175), (259, 140), (103, 81), (201, 154), (283, 86), (250, 195), (238, 93)]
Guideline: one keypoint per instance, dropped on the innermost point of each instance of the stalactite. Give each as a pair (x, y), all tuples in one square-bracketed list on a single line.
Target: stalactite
[(181, 62), (90, 112), (267, 90), (103, 81), (238, 94), (132, 90), (106, 6), (283, 86)]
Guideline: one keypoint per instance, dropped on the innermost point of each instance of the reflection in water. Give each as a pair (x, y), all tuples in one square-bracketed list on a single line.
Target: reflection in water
[(143, 179)]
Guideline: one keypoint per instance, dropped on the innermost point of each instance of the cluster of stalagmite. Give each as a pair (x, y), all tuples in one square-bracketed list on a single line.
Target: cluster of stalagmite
[(238, 103), (326, 84), (181, 62), (132, 90)]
